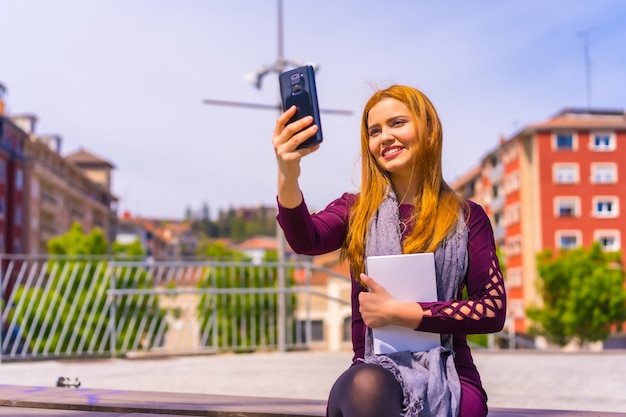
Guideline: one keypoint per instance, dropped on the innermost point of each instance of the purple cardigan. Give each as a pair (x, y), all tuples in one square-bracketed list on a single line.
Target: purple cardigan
[(484, 310)]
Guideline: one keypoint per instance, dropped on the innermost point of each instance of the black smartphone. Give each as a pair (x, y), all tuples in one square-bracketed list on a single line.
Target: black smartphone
[(297, 88)]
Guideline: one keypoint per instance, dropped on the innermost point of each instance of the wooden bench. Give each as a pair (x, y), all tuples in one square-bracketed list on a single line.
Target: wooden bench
[(18, 401)]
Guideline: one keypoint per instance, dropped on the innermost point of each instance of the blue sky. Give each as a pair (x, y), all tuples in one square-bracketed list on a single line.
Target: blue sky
[(126, 80)]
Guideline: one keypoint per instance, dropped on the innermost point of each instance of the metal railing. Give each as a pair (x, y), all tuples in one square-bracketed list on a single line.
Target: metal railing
[(61, 307), (54, 307)]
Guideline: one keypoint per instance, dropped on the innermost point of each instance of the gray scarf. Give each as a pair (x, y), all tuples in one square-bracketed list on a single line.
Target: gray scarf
[(429, 380)]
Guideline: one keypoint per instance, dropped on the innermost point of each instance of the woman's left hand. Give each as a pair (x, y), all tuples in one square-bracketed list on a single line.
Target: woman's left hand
[(376, 304), (378, 308)]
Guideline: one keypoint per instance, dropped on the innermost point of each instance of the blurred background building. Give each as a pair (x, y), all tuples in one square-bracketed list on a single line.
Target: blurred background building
[(553, 184)]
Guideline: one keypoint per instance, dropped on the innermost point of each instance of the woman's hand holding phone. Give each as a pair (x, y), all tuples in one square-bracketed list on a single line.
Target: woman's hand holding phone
[(298, 130), (289, 136), (286, 141), (297, 89)]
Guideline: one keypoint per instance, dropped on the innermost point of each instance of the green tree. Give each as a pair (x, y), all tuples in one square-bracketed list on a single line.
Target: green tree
[(76, 242), (69, 312), (133, 249), (237, 224), (188, 214), (218, 251), (241, 319), (583, 295)]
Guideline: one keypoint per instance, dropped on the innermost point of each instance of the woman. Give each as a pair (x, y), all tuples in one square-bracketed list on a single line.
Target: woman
[(404, 206)]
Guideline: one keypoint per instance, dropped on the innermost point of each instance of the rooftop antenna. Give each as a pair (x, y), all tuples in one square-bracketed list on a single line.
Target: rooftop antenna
[(584, 34)]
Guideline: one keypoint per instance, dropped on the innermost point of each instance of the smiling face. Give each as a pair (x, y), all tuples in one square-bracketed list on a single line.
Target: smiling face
[(392, 139)]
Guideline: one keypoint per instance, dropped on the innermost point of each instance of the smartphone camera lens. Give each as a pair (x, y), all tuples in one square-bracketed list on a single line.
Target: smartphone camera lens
[(295, 79)]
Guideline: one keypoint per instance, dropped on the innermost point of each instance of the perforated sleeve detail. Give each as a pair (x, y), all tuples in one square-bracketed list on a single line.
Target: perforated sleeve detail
[(482, 312), (487, 303)]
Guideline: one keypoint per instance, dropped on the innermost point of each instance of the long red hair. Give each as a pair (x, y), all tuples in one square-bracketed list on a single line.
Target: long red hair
[(436, 204)]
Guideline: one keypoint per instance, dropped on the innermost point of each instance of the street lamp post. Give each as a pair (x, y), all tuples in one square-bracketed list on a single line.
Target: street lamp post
[(255, 78), (280, 65)]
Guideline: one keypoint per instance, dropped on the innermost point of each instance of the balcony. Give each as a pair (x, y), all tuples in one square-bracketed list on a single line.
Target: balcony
[(77, 214), (497, 172), (49, 203), (499, 233), (497, 204)]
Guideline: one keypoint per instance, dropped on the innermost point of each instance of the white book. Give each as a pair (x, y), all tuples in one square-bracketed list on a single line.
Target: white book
[(408, 277)]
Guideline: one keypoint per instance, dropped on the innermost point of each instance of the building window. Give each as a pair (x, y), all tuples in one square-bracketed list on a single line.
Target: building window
[(19, 179), (512, 214), (469, 190), (602, 142), (511, 182), (564, 141), (567, 207), (609, 239), (347, 329), (603, 173), (516, 308), (514, 277), (18, 215), (497, 219), (513, 245), (317, 330), (565, 173), (605, 207), (568, 239)]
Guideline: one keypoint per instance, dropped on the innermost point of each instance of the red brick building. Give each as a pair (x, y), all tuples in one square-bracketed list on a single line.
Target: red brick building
[(42, 192), (12, 196), (553, 184)]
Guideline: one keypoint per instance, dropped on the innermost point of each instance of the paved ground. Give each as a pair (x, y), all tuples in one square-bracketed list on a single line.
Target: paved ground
[(561, 381)]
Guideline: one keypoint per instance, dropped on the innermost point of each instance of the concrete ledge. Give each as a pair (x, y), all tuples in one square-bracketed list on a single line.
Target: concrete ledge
[(56, 402)]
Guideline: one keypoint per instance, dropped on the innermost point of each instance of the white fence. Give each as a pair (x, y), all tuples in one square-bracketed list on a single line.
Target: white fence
[(54, 307)]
